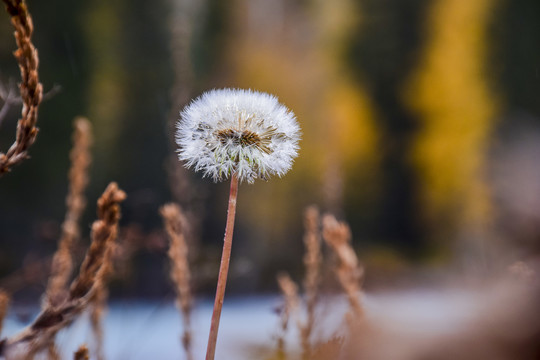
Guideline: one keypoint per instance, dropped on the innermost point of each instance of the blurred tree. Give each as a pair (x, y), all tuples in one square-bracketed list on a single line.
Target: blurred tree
[(450, 91)]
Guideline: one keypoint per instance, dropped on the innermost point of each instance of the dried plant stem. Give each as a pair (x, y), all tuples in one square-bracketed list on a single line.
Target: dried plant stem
[(338, 236), (312, 263), (292, 300), (30, 87), (175, 223), (52, 352), (97, 309), (40, 334), (98, 301), (223, 269), (4, 303), (62, 263)]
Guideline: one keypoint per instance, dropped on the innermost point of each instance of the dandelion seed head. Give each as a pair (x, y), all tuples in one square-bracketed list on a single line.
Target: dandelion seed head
[(242, 132)]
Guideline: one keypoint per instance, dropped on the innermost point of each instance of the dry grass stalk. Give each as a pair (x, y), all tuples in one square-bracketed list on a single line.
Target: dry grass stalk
[(30, 87), (349, 272), (104, 232), (97, 310), (62, 263), (40, 334), (52, 352), (109, 211), (292, 301), (312, 263), (175, 225), (81, 353), (4, 303)]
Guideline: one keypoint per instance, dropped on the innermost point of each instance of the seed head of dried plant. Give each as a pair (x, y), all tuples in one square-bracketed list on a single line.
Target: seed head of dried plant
[(30, 87), (175, 223), (109, 211), (81, 353), (312, 264), (62, 263), (290, 294), (338, 236), (40, 334)]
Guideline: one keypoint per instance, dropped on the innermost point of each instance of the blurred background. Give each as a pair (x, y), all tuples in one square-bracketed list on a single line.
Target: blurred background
[(420, 121)]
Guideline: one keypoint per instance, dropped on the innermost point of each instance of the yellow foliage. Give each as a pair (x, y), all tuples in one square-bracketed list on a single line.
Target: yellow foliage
[(106, 90), (451, 95)]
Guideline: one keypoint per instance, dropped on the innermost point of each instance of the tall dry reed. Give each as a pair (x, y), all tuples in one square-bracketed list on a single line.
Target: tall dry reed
[(41, 333), (349, 272), (4, 304), (62, 263), (52, 352), (98, 307), (30, 87), (312, 264), (175, 225), (109, 210), (289, 290)]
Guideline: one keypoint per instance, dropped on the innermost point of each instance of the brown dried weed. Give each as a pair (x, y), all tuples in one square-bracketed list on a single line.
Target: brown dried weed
[(175, 225), (289, 290), (81, 353), (30, 87), (4, 304), (62, 263), (41, 333), (312, 263), (349, 272)]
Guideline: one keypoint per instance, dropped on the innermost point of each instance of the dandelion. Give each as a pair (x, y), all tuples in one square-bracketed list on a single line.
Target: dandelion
[(242, 135), (238, 132)]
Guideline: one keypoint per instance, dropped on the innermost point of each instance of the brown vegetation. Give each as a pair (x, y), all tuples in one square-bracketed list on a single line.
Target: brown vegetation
[(82, 353), (30, 87), (291, 302), (41, 333), (338, 236), (175, 224), (62, 263), (312, 264), (4, 303)]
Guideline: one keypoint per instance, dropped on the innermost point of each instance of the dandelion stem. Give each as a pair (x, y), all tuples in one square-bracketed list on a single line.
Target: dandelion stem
[(223, 270)]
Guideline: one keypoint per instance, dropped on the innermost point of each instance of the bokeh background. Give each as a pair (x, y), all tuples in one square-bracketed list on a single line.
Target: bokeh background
[(420, 121)]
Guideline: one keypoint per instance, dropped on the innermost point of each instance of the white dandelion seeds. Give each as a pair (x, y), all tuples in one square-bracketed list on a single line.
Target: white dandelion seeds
[(241, 132)]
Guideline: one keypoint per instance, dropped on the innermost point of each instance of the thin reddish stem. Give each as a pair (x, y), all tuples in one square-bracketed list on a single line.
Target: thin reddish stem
[(223, 270)]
